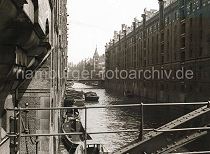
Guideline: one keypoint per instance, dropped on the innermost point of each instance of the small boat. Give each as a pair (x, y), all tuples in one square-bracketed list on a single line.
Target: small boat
[(71, 142), (68, 102), (79, 102), (77, 96), (92, 148), (79, 99), (69, 84), (73, 93), (94, 84), (128, 93), (91, 96)]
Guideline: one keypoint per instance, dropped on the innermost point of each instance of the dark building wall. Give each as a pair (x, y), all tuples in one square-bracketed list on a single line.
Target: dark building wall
[(47, 87), (48, 90), (183, 41)]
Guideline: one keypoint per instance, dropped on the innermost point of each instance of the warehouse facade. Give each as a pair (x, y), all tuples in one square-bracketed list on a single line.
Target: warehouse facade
[(176, 38)]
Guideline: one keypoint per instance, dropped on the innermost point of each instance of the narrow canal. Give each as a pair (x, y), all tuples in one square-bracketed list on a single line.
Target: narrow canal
[(112, 119)]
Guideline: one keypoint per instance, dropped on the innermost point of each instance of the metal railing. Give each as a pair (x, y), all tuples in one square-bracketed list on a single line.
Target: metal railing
[(140, 130), (194, 152)]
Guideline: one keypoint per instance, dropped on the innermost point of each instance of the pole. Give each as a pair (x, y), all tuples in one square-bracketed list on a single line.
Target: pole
[(85, 130), (142, 122), (16, 116), (26, 119), (19, 131), (37, 142)]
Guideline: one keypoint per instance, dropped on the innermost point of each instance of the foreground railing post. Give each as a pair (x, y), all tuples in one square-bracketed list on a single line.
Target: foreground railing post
[(37, 143), (19, 131), (85, 130), (142, 122), (14, 142)]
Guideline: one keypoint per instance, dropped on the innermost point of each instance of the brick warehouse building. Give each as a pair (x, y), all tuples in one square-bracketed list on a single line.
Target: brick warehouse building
[(177, 36), (33, 38)]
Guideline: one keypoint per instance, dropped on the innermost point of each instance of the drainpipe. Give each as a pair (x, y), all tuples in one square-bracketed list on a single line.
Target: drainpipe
[(124, 56), (134, 58), (144, 36), (144, 43)]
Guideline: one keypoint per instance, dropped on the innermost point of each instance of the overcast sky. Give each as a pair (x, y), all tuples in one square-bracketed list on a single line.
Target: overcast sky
[(92, 22)]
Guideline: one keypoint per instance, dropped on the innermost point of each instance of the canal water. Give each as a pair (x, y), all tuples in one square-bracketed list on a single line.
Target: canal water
[(113, 119)]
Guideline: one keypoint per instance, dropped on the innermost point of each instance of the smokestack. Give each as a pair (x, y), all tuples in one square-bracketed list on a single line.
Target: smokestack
[(119, 37), (144, 24), (161, 14), (144, 19), (134, 24), (124, 29)]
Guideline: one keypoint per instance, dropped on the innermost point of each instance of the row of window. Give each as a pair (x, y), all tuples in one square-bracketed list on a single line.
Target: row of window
[(191, 7)]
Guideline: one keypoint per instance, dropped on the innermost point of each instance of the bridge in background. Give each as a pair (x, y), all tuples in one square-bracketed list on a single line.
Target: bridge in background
[(98, 82), (86, 80)]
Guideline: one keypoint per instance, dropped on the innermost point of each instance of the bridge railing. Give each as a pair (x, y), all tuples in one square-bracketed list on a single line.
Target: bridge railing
[(17, 113), (85, 80)]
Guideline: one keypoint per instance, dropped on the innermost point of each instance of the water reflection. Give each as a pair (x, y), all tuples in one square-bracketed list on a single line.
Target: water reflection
[(110, 119)]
